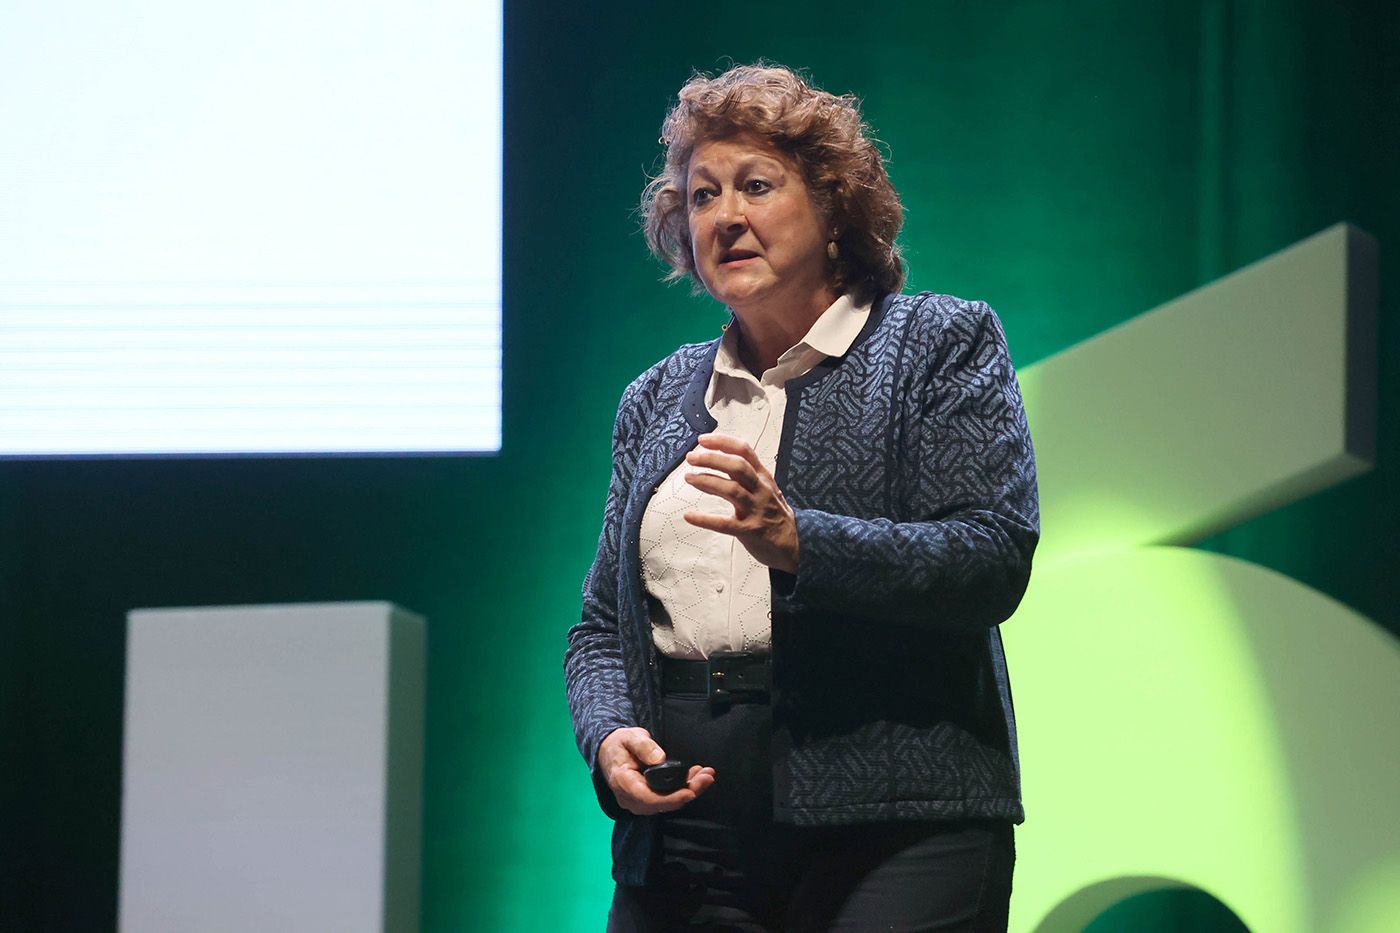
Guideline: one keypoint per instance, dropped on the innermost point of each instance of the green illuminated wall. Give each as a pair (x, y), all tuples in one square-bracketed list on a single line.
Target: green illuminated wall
[(1072, 163)]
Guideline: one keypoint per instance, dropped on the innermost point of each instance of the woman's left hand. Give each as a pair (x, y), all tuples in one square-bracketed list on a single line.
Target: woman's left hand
[(763, 521)]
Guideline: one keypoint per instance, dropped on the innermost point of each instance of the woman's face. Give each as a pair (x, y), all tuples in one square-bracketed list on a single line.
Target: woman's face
[(759, 242)]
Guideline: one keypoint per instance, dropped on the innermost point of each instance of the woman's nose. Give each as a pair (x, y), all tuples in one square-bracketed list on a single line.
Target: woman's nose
[(730, 215)]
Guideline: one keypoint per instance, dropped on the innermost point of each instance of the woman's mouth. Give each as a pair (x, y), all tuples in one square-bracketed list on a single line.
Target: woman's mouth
[(732, 256)]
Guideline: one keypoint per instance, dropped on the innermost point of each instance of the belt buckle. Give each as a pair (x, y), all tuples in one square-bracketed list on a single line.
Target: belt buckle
[(720, 681)]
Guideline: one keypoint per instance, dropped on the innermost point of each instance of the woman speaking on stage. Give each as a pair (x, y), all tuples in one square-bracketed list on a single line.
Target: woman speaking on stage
[(814, 526)]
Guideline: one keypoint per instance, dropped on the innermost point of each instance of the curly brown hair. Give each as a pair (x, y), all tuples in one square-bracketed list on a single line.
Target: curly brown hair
[(823, 132)]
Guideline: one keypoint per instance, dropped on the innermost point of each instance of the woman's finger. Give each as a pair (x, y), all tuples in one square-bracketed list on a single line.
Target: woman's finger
[(726, 489), (642, 746), (736, 467), (639, 798), (721, 523), (700, 779), (644, 801), (629, 747), (732, 445)]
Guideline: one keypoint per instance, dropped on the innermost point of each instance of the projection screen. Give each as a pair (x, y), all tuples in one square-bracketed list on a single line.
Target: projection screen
[(250, 228)]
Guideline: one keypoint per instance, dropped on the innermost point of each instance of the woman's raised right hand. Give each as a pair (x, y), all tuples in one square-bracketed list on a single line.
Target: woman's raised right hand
[(622, 756)]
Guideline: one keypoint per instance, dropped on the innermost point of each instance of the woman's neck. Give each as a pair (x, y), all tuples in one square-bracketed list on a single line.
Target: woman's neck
[(764, 335)]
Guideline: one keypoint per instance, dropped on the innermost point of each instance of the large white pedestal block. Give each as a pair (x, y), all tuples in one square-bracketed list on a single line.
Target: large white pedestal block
[(272, 769)]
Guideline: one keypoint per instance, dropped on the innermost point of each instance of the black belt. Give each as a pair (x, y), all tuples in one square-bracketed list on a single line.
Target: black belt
[(724, 676)]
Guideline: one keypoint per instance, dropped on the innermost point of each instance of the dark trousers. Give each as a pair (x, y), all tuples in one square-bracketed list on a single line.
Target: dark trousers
[(725, 865)]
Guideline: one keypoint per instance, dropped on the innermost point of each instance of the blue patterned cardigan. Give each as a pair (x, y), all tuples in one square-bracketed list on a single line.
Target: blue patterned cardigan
[(909, 466)]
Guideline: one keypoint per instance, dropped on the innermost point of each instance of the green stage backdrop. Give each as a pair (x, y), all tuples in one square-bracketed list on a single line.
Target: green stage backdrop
[(1072, 163)]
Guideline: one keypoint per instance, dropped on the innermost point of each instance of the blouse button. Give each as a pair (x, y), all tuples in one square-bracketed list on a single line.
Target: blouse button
[(719, 587)]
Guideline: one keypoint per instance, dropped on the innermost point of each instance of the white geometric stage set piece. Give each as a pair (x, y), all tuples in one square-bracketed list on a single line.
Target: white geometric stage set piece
[(1188, 719), (272, 766)]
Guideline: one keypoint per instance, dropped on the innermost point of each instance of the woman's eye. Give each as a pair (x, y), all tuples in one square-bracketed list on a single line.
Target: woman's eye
[(700, 196), (756, 186)]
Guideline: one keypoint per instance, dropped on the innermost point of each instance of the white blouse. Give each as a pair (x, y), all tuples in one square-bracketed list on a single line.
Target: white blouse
[(706, 593)]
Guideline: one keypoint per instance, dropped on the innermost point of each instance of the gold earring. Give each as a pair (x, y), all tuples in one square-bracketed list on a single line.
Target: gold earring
[(832, 252)]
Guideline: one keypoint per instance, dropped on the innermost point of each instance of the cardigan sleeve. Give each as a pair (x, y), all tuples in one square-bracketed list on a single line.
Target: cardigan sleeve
[(965, 560), (595, 682)]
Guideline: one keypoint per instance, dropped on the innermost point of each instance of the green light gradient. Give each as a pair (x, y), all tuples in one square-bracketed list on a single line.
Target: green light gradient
[(1192, 719)]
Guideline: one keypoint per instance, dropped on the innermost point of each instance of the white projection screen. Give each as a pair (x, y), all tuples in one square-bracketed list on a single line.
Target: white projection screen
[(255, 227)]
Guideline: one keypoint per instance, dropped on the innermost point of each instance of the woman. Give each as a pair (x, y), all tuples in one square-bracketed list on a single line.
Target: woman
[(814, 525)]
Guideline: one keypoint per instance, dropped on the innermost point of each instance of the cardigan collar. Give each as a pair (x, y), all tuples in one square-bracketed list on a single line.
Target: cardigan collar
[(698, 417)]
